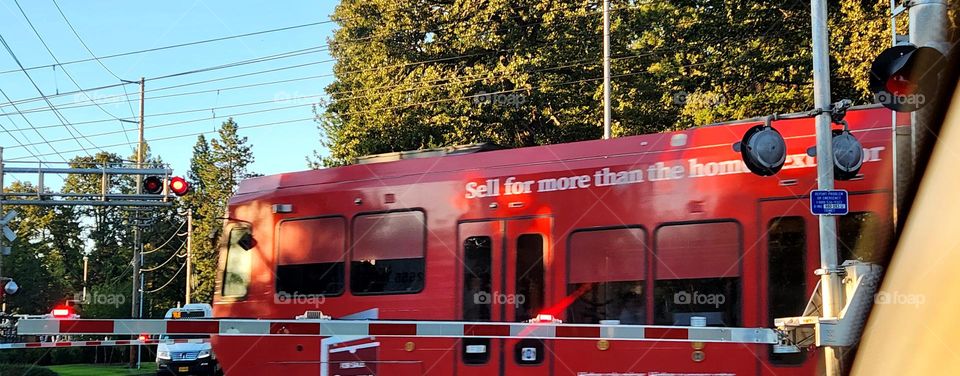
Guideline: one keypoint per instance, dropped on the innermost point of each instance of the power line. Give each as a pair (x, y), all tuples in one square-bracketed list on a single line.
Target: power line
[(378, 89), (15, 59), (176, 137), (261, 59), (168, 281), (175, 234), (177, 45), (174, 255), (49, 51), (84, 44), (321, 48), (377, 109), (482, 77)]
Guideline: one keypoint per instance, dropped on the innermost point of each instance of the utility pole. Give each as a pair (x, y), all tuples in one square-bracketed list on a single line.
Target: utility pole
[(189, 252), (606, 69), (136, 309), (829, 277)]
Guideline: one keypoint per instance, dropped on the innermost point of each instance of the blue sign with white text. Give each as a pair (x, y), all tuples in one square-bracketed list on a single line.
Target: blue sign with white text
[(829, 202)]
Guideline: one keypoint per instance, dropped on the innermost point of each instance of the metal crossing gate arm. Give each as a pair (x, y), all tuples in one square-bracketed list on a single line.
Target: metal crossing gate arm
[(384, 328)]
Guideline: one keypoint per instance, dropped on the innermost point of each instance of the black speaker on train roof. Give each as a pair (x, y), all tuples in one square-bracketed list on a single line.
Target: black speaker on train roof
[(763, 150)]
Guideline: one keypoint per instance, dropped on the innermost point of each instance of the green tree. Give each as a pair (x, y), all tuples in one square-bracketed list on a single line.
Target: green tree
[(416, 74), (45, 257), (216, 169)]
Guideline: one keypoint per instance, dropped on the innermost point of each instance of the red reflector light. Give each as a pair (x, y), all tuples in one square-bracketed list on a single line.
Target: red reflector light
[(143, 337), (179, 186), (61, 313)]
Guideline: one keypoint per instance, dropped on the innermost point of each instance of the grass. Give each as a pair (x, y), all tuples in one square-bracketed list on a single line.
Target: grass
[(104, 370)]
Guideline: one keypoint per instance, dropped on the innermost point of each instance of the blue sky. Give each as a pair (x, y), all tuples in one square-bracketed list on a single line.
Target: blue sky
[(112, 27)]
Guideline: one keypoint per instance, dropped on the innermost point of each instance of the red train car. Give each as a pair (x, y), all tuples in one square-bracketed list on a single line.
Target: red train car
[(650, 229)]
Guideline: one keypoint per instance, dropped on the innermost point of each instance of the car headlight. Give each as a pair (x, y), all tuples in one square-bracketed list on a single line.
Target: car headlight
[(163, 355), (204, 354)]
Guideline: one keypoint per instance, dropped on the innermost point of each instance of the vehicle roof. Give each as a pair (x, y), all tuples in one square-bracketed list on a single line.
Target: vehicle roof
[(697, 137)]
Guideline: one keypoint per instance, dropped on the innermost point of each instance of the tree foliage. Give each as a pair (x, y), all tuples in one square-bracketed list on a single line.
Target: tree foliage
[(216, 169), (414, 74)]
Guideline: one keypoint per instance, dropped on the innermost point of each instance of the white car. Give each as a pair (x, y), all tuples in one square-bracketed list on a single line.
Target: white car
[(195, 357)]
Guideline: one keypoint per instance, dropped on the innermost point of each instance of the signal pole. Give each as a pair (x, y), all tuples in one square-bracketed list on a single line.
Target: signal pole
[(927, 28), (189, 251), (829, 278), (606, 69)]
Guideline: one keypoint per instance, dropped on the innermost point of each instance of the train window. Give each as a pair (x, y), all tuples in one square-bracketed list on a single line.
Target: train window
[(388, 253), (857, 239), (311, 256), (697, 274), (236, 271), (477, 297), (476, 278), (786, 276), (607, 271), (529, 277)]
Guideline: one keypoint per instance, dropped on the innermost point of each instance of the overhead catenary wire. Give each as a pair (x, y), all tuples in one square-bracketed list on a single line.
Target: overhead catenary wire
[(327, 46), (372, 110), (69, 76), (205, 109), (283, 55), (211, 40), (100, 62), (165, 243), (35, 86), (378, 89), (291, 106), (168, 281), (175, 254)]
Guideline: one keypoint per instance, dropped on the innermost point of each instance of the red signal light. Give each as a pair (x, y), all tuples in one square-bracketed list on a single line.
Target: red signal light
[(179, 186), (900, 85), (152, 185)]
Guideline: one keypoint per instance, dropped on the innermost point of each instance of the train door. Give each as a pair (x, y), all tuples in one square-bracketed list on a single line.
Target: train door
[(504, 278), (791, 244), (528, 259)]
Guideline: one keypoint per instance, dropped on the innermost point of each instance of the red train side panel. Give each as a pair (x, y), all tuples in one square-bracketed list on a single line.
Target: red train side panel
[(651, 229)]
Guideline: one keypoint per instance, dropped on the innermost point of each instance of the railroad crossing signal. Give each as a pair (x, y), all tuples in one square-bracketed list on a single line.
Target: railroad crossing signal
[(905, 78), (7, 232), (156, 185), (763, 149)]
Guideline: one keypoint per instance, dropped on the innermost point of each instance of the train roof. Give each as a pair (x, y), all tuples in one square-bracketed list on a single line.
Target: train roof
[(484, 156)]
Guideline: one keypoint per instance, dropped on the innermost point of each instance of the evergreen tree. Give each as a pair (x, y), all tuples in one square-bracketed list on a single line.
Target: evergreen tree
[(216, 169)]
